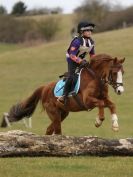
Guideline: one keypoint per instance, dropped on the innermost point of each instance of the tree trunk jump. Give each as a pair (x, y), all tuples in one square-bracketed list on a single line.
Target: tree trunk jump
[(20, 143)]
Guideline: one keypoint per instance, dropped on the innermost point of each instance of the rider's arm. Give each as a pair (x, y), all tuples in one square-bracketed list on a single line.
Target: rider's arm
[(73, 50), (75, 58)]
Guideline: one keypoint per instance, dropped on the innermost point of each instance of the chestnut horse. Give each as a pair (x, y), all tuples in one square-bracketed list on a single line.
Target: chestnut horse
[(102, 71)]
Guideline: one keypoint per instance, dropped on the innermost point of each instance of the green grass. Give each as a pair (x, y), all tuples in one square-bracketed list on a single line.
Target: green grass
[(8, 47), (64, 167), (22, 70)]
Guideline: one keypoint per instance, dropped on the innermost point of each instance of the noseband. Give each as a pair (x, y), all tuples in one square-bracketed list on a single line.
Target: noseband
[(111, 82)]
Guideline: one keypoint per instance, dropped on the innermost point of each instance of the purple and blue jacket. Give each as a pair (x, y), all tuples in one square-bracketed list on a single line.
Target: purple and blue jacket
[(79, 48)]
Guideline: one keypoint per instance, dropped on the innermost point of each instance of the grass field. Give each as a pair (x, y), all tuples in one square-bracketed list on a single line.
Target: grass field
[(24, 69)]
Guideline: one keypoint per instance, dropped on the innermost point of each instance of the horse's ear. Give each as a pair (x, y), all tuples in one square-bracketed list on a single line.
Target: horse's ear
[(122, 60)]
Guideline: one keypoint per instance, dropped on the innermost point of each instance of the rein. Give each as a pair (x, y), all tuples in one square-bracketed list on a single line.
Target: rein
[(87, 66)]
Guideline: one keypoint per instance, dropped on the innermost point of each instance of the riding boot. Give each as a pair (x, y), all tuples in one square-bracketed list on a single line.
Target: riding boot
[(66, 90), (65, 97)]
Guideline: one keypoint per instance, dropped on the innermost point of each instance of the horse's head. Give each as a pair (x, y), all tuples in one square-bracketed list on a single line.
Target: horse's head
[(116, 75), (109, 69)]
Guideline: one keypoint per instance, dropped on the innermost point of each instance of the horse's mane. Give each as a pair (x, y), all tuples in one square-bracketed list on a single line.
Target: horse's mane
[(101, 57)]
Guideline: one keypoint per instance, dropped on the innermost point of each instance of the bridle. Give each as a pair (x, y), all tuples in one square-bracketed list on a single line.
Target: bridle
[(111, 81)]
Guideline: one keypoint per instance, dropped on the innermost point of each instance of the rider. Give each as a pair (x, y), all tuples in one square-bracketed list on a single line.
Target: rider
[(80, 46)]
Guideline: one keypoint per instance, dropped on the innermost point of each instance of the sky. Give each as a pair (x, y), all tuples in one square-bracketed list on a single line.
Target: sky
[(67, 5)]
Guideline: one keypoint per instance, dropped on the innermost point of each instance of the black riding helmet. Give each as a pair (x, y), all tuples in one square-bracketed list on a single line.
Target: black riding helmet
[(84, 25)]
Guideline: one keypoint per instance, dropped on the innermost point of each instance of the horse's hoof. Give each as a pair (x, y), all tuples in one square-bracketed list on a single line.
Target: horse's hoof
[(115, 126), (98, 123), (115, 129)]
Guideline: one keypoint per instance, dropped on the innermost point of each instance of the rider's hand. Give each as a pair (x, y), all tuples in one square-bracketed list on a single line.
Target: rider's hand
[(83, 62)]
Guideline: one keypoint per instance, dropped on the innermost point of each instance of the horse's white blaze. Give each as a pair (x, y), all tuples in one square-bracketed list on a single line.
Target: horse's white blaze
[(120, 88), (98, 122), (115, 125)]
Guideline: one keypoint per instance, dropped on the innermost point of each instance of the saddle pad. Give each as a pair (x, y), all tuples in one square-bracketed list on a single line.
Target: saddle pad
[(58, 90)]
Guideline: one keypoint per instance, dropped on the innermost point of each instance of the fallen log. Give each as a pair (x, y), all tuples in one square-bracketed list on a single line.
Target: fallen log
[(20, 143)]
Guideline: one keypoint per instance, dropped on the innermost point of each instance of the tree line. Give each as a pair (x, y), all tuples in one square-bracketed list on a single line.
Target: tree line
[(18, 30), (104, 15), (20, 8)]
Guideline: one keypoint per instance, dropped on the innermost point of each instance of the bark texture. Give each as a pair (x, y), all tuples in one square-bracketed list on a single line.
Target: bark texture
[(20, 143)]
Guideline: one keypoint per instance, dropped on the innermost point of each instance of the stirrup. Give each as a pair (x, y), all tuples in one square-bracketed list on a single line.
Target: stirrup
[(72, 93), (61, 99)]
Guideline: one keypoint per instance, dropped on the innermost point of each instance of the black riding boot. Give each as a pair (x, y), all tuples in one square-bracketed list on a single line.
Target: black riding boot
[(66, 91)]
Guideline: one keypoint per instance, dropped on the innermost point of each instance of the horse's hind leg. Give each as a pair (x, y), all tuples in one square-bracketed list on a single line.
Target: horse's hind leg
[(50, 129), (100, 117), (55, 116), (64, 114)]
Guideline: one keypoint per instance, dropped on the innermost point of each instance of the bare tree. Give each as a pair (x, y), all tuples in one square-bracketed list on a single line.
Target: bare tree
[(93, 10), (3, 10)]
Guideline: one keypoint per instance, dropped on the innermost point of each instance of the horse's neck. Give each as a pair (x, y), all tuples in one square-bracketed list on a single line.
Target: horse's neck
[(84, 77), (101, 70)]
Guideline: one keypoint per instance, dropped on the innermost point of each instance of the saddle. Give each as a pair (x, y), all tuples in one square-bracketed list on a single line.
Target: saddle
[(59, 87)]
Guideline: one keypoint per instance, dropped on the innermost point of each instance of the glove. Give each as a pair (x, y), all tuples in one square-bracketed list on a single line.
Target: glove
[(83, 63)]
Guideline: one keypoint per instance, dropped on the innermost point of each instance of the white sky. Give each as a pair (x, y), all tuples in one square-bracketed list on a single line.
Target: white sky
[(66, 5)]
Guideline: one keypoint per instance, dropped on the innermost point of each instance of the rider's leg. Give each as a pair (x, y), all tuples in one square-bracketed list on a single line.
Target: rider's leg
[(67, 88)]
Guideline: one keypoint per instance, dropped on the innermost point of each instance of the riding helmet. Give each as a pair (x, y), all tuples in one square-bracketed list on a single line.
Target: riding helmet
[(84, 25)]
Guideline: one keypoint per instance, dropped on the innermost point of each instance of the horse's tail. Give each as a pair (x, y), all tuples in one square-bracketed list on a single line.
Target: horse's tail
[(23, 109)]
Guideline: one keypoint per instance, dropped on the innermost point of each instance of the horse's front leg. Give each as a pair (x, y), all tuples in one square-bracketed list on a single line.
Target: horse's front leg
[(114, 117), (94, 102), (100, 118)]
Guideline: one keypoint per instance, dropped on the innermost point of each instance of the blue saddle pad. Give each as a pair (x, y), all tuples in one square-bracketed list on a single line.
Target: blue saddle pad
[(58, 90)]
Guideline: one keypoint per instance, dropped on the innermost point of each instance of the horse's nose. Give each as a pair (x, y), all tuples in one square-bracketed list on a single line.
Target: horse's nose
[(120, 90)]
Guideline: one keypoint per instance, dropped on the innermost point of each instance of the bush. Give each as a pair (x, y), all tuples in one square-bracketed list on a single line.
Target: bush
[(16, 30), (38, 11), (116, 19), (13, 30), (44, 11), (49, 27)]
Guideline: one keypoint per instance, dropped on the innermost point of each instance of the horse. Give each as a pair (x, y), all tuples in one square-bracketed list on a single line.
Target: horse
[(96, 76)]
